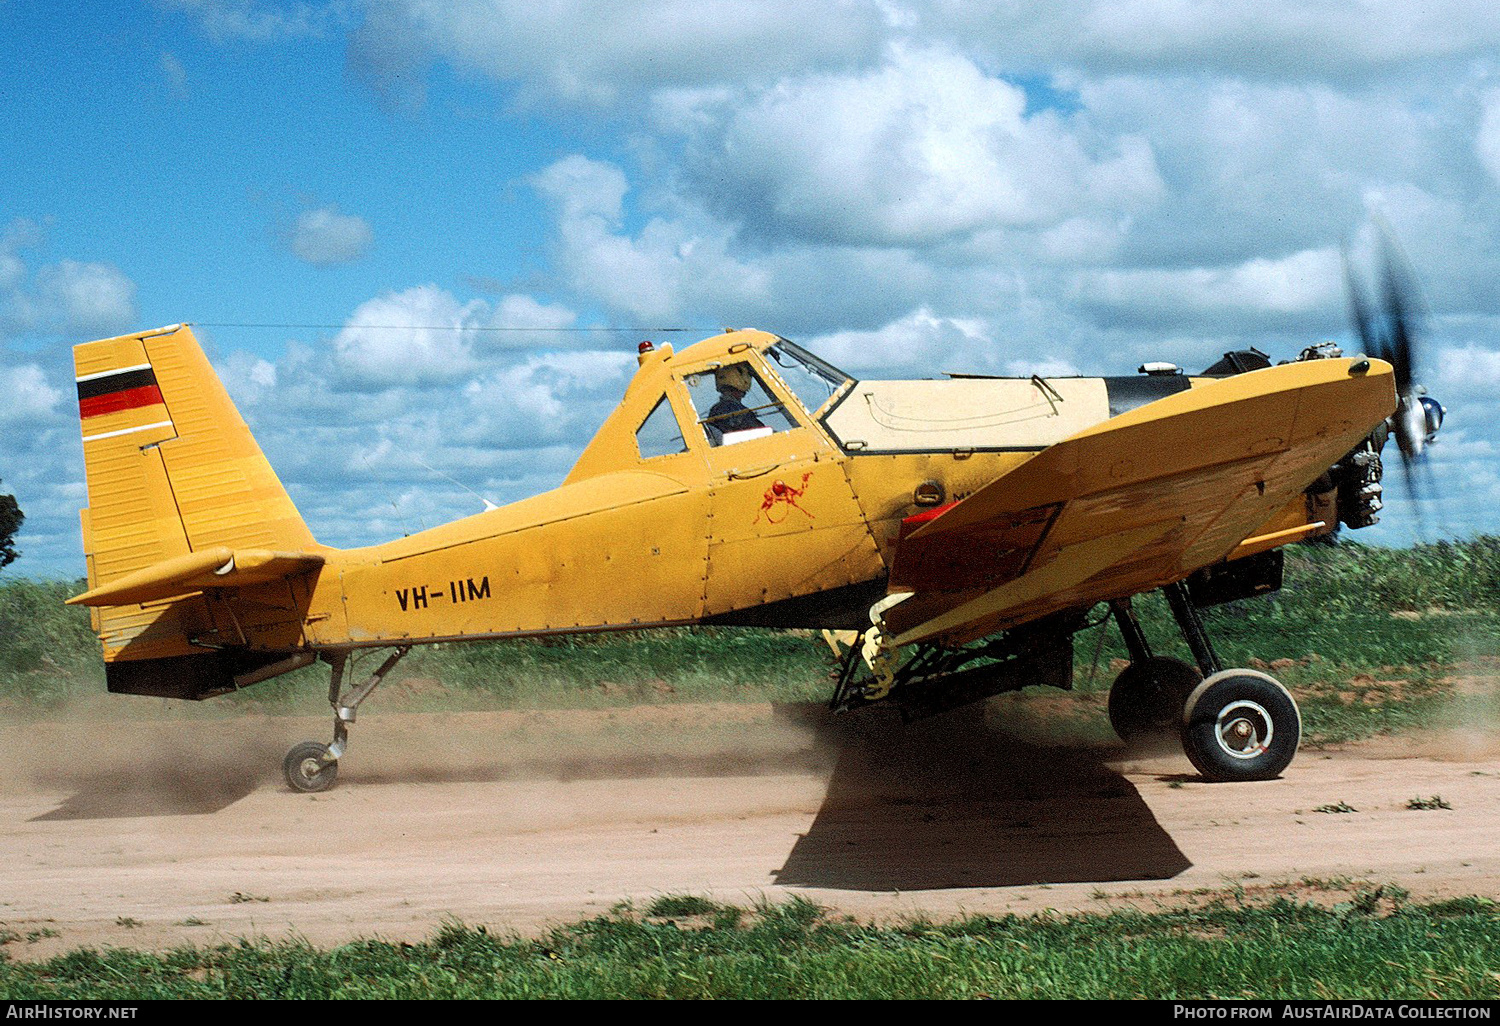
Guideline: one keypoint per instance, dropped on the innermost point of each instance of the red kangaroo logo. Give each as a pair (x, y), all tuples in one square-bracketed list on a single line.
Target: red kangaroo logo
[(782, 497)]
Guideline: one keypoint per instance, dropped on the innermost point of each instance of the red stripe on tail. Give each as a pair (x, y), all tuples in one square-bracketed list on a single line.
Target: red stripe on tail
[(114, 402)]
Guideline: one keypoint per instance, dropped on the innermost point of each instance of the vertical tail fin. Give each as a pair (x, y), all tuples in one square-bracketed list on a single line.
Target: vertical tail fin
[(172, 470)]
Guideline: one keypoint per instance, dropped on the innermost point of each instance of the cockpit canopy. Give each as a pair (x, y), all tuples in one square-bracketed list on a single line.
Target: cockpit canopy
[(733, 402), (735, 388)]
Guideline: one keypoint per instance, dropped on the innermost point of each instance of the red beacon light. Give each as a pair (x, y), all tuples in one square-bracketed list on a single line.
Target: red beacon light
[(645, 352)]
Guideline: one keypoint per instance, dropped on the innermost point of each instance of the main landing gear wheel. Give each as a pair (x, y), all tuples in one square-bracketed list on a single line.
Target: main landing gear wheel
[(1147, 698), (308, 768), (1241, 725)]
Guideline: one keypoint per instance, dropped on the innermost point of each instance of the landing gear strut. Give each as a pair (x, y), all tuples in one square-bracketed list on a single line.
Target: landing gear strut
[(1147, 698), (311, 766), (1234, 724)]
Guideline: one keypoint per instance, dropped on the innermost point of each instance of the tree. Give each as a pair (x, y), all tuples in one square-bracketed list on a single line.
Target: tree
[(10, 522)]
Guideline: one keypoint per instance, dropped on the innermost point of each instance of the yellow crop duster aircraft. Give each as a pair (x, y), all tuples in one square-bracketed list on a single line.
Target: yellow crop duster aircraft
[(950, 535)]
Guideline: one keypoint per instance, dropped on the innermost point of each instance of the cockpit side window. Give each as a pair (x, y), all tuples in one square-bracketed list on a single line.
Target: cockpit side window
[(660, 434), (734, 405)]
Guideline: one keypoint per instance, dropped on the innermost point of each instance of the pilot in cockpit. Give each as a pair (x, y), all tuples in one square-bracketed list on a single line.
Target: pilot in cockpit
[(729, 414)]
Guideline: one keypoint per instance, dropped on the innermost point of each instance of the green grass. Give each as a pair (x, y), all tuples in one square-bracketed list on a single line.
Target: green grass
[(49, 659), (48, 652), (1429, 803), (1281, 949), (1364, 636)]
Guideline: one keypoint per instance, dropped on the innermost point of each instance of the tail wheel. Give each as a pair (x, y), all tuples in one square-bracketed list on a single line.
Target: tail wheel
[(1147, 699), (307, 768), (1241, 725)]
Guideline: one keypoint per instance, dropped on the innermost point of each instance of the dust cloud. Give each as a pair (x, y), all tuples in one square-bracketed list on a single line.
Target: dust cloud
[(196, 764)]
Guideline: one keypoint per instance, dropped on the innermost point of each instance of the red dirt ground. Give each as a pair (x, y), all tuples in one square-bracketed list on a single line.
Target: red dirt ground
[(151, 834)]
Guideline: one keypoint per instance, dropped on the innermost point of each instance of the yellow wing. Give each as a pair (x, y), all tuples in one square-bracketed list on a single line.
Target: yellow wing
[(1135, 502)]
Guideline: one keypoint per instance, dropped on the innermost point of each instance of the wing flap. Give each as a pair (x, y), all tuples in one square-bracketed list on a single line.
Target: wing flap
[(218, 567)]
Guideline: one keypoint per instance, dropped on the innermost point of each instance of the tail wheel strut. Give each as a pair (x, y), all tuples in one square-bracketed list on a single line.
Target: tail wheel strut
[(310, 766)]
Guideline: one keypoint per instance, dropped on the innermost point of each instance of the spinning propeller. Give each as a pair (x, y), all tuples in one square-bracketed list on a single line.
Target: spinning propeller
[(1389, 333)]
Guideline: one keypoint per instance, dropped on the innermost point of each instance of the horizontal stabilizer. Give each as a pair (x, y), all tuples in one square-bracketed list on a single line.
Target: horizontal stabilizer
[(218, 567)]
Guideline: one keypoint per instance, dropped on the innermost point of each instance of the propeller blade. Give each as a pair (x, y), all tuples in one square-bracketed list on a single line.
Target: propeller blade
[(1391, 333), (1399, 303), (1410, 477), (1359, 309)]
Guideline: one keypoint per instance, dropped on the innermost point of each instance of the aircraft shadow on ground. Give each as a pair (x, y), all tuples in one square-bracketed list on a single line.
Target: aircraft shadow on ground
[(959, 801), (155, 791), (160, 769)]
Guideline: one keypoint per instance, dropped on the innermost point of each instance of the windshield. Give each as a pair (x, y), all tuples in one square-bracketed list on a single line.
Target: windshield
[(812, 380)]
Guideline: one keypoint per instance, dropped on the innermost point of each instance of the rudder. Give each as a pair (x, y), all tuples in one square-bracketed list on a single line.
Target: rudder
[(172, 469)]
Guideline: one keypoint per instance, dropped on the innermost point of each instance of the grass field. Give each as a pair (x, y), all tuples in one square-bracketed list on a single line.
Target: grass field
[(1365, 637), (689, 947)]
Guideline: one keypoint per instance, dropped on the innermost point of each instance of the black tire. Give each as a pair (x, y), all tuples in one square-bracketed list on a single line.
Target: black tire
[(305, 769), (1147, 699), (1241, 725)]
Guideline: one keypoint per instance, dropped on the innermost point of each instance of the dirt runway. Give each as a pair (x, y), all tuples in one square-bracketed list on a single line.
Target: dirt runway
[(155, 833)]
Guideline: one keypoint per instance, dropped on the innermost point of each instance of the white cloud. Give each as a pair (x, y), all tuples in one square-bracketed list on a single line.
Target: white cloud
[(672, 265), (1254, 168), (548, 397), (922, 149), (915, 342), (583, 189), (254, 21), (247, 377), (1026, 337), (418, 336), (1468, 371), (604, 55), (1302, 283), (1487, 142), (522, 321), (324, 236), (1346, 40), (175, 74), (12, 270), (593, 54), (22, 233), (69, 296), (525, 312), (84, 297), (28, 395), (425, 336), (1046, 367)]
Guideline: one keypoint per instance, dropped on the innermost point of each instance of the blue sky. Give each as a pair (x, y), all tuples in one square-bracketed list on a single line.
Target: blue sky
[(907, 187)]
